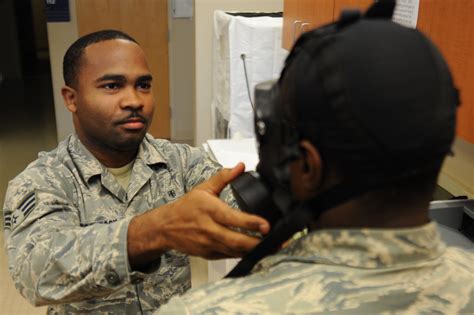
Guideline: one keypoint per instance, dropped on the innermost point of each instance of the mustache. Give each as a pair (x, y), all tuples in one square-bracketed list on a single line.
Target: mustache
[(135, 116)]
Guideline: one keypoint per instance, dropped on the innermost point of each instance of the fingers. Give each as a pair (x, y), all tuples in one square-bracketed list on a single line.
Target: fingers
[(231, 243), (234, 243), (224, 215), (204, 236), (238, 244), (236, 171), (229, 217), (216, 183)]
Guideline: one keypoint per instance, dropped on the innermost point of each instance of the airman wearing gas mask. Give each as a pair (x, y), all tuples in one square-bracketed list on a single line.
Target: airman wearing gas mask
[(351, 140)]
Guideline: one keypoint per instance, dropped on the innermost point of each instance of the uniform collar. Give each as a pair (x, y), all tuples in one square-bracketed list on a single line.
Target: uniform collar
[(89, 166), (363, 248), (150, 154)]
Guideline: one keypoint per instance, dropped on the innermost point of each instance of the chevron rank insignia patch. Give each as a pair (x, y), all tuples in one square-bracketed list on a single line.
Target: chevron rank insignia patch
[(23, 210)]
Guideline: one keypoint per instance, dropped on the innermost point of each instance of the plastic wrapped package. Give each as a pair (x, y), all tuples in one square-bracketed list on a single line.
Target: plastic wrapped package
[(252, 40)]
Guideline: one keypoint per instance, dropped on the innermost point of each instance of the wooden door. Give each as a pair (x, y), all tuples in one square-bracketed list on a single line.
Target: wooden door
[(147, 22)]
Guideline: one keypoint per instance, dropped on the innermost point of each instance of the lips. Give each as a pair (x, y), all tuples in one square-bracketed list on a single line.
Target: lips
[(133, 123)]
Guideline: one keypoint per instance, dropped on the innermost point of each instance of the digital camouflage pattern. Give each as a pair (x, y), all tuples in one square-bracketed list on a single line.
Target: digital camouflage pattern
[(351, 271), (66, 221)]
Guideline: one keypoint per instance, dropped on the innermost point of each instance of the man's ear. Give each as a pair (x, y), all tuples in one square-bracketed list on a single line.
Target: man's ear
[(312, 172), (306, 172), (69, 96)]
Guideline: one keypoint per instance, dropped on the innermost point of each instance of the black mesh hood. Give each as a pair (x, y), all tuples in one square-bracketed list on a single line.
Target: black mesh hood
[(378, 93)]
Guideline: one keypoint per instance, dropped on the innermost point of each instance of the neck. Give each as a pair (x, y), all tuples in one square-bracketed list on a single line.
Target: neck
[(362, 213), (107, 156)]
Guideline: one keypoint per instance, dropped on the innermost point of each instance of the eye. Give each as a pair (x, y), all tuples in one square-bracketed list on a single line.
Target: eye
[(144, 86), (111, 86)]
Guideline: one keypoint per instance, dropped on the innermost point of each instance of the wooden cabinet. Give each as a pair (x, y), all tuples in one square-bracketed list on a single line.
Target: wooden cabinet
[(314, 16), (449, 24), (303, 15), (291, 16)]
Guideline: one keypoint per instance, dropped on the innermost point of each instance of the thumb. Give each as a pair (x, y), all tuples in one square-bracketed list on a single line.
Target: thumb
[(216, 183)]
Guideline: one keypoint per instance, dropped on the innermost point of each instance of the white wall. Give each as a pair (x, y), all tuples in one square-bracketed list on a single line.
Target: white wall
[(204, 10), (60, 36)]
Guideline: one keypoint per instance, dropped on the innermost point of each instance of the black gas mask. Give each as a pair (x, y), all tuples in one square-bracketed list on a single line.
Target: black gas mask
[(267, 192)]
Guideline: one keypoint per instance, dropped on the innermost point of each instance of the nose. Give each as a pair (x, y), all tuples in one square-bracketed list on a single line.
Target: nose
[(131, 99)]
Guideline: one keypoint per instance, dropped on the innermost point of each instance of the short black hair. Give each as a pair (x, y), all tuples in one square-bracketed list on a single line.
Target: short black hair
[(73, 57)]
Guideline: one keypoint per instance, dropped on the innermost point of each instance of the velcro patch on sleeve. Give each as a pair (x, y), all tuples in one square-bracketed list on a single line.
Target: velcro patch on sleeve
[(25, 207)]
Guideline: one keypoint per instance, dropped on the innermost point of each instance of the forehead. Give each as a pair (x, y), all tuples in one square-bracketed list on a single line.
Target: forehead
[(115, 56)]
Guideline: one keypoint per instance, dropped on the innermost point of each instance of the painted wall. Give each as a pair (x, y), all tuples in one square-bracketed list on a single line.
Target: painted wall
[(204, 10), (61, 36), (181, 52)]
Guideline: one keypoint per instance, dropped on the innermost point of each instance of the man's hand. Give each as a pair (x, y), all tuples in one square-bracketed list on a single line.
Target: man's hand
[(198, 224)]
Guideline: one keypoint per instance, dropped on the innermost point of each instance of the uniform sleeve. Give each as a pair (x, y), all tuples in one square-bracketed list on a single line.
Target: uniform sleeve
[(198, 167), (52, 258)]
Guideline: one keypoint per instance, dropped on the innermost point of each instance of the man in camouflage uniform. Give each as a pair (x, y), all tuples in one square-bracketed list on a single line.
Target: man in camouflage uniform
[(371, 102), (103, 223)]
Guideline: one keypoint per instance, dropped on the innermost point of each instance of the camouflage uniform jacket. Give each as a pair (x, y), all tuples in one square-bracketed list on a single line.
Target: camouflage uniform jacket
[(66, 220), (359, 271)]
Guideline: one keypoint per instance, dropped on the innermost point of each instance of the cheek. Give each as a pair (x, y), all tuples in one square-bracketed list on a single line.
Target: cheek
[(149, 107), (95, 114), (150, 102)]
